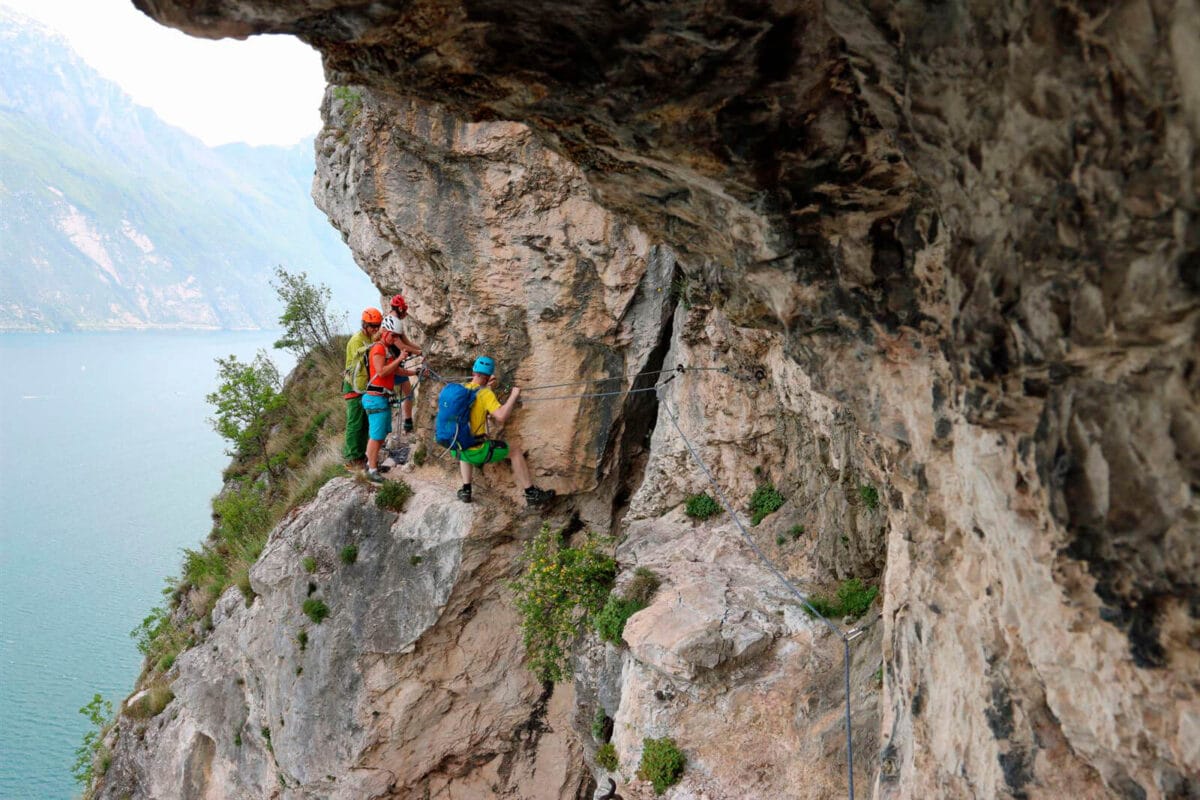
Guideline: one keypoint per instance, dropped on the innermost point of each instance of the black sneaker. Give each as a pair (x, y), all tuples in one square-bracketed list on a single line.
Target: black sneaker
[(464, 494), (408, 426), (535, 497)]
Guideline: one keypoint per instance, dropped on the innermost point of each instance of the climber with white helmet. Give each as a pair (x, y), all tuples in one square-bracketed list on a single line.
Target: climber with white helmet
[(380, 389)]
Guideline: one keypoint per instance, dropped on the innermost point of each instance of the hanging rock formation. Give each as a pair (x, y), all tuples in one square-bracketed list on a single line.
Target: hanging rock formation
[(950, 255)]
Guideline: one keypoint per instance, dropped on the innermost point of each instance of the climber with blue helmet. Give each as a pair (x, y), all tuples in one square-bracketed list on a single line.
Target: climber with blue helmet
[(485, 405)]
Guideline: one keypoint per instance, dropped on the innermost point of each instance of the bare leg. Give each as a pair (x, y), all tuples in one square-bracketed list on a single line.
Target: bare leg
[(465, 470), (373, 452), (519, 467), (406, 407)]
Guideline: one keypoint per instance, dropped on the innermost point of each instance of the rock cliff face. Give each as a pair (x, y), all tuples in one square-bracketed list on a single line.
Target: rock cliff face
[(949, 255)]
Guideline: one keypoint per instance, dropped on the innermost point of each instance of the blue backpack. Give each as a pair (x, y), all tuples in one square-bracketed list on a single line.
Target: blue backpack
[(453, 426)]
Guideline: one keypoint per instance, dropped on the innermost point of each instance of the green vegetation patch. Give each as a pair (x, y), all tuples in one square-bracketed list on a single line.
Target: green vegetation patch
[(869, 496), (606, 757), (701, 506), (349, 554), (610, 622), (316, 609), (852, 599), (643, 585), (601, 725), (765, 500), (559, 591), (392, 495), (662, 763), (309, 563)]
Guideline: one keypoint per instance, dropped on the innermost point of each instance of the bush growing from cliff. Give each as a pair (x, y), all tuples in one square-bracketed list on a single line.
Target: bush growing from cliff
[(91, 756), (246, 400), (559, 591), (765, 500), (349, 554), (701, 506), (308, 325), (662, 763)]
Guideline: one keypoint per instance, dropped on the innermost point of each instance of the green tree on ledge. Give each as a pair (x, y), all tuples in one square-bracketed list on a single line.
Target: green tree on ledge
[(245, 400), (308, 326)]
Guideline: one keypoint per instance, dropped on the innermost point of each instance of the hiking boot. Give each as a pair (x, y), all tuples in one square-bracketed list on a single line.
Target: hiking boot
[(535, 497), (408, 426), (373, 476), (464, 494)]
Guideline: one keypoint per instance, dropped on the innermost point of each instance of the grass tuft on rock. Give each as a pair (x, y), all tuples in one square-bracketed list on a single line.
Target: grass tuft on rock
[(393, 495), (349, 554), (316, 609)]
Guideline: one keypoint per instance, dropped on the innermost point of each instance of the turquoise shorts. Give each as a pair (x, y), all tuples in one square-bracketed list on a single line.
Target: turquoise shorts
[(379, 415)]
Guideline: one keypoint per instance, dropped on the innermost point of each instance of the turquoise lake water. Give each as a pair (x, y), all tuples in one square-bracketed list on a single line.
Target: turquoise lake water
[(107, 466)]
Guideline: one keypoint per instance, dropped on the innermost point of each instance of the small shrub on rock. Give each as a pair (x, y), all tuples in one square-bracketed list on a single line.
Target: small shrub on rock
[(349, 554), (662, 763), (765, 500), (392, 495), (309, 563), (606, 757), (701, 506), (869, 496), (852, 599), (316, 609)]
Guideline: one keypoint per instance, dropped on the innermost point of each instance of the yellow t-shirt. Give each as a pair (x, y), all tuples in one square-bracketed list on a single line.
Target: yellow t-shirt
[(485, 403)]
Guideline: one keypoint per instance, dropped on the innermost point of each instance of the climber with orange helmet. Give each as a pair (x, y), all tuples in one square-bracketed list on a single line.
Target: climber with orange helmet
[(354, 383), (399, 312)]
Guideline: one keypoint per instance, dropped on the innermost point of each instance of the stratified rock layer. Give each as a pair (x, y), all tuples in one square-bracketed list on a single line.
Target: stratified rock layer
[(949, 254)]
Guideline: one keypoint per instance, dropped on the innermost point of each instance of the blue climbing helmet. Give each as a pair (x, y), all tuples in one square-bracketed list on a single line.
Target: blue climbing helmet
[(484, 366)]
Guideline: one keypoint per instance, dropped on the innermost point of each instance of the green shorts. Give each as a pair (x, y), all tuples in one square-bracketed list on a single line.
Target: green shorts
[(488, 453)]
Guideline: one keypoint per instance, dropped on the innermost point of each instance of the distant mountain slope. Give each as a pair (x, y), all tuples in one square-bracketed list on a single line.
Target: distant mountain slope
[(110, 218)]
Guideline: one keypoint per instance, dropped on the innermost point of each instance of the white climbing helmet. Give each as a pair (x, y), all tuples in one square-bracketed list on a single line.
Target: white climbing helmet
[(392, 324)]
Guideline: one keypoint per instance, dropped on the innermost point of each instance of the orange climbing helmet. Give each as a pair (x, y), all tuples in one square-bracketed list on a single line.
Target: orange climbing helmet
[(372, 316), (399, 305)]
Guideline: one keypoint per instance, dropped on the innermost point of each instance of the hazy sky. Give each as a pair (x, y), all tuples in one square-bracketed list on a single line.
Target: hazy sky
[(264, 90)]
